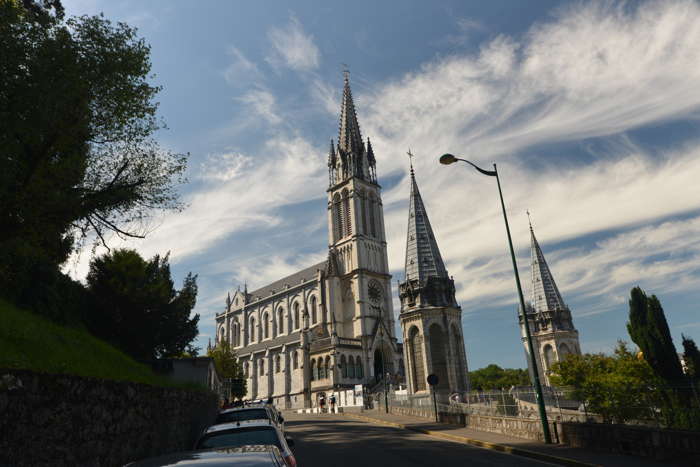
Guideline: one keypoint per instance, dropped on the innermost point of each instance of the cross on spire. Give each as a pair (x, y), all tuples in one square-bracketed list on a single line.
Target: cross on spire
[(410, 158)]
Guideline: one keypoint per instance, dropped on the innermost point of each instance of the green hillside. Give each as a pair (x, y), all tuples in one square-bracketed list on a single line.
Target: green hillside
[(31, 342)]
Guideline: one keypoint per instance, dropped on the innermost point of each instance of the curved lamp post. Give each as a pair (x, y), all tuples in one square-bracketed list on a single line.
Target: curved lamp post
[(447, 159)]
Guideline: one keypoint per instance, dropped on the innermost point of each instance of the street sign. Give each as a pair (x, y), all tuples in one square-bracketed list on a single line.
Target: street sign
[(433, 379)]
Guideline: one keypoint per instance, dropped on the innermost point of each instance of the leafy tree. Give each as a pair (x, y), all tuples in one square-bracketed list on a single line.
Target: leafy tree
[(229, 368), (691, 355), (619, 388), (77, 157), (648, 329), (135, 306), (495, 377)]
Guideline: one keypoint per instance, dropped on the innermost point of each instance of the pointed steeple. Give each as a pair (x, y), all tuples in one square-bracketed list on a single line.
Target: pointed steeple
[(423, 259), (545, 294), (349, 137), (331, 155)]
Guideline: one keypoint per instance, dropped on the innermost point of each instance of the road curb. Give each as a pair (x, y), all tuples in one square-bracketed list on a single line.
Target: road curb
[(476, 442)]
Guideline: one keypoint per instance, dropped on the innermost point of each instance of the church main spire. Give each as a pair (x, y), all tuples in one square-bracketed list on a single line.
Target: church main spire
[(423, 259), (351, 158), (545, 293), (349, 136)]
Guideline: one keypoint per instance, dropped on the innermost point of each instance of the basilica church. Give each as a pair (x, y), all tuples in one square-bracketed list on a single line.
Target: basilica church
[(331, 326)]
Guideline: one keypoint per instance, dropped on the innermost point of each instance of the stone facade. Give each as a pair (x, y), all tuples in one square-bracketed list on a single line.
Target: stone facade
[(431, 319), (330, 326), (551, 326), (111, 422)]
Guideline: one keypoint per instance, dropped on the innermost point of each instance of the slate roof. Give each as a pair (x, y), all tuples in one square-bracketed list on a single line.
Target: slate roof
[(423, 259), (277, 341), (291, 280), (545, 294)]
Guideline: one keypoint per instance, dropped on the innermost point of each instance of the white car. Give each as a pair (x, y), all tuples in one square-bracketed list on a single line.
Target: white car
[(244, 456), (261, 412), (247, 432)]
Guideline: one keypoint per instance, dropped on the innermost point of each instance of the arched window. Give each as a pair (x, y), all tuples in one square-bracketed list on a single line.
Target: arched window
[(314, 370), (363, 207), (251, 331), (262, 367), (277, 364), (351, 367), (438, 354), (337, 208), (266, 325), (563, 351), (313, 310), (296, 315), (415, 346), (245, 369), (344, 366), (222, 334), (358, 368), (327, 367), (347, 224), (295, 360), (548, 356), (280, 321), (372, 222), (458, 343)]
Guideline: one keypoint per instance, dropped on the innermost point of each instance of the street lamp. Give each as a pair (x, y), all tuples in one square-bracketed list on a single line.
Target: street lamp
[(384, 374), (447, 159)]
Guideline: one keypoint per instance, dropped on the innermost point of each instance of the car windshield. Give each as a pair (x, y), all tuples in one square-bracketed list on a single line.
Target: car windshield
[(240, 437), (241, 415)]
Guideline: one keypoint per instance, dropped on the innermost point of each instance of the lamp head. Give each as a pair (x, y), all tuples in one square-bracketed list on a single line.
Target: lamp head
[(447, 159)]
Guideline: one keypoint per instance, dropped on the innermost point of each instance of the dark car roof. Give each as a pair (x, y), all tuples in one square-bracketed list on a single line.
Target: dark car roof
[(245, 456)]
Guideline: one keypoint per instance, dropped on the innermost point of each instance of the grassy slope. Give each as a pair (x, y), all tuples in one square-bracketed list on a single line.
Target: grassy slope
[(29, 341)]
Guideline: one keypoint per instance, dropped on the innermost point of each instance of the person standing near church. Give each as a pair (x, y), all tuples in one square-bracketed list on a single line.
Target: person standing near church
[(332, 403), (322, 403)]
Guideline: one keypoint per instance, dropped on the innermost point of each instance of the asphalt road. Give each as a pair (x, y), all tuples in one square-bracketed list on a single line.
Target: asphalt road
[(336, 441)]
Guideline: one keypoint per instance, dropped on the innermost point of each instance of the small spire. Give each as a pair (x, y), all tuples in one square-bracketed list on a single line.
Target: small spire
[(423, 259), (545, 293), (331, 155), (370, 153), (529, 221)]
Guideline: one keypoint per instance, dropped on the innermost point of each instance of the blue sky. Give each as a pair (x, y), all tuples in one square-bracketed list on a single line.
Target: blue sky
[(590, 110)]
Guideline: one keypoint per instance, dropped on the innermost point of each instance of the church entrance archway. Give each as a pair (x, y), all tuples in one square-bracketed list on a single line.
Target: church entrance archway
[(438, 354), (378, 364)]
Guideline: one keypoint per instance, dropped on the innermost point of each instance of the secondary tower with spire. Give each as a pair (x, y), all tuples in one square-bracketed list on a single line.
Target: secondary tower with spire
[(430, 316), (553, 332)]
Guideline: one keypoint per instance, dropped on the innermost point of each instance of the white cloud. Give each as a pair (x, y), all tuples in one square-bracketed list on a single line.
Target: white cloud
[(262, 102), (293, 48), (240, 70)]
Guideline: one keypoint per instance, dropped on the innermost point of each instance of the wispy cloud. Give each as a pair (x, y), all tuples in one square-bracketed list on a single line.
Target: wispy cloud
[(293, 47), (262, 103), (240, 71)]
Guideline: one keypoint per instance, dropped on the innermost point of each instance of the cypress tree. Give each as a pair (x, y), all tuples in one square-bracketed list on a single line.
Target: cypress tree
[(648, 329), (691, 355)]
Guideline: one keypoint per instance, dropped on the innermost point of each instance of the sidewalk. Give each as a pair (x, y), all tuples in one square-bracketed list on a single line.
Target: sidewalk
[(553, 453)]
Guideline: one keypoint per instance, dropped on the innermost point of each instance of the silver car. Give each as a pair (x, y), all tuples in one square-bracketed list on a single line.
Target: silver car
[(259, 412), (245, 456), (247, 432)]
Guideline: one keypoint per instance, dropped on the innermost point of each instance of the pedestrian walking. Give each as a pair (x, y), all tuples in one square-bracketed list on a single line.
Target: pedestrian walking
[(332, 403), (322, 403)]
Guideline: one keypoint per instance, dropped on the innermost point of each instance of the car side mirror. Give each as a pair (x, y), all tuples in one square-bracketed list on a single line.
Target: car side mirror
[(290, 442)]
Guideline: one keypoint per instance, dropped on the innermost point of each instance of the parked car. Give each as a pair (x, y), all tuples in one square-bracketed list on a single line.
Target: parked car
[(246, 456), (247, 432), (260, 412)]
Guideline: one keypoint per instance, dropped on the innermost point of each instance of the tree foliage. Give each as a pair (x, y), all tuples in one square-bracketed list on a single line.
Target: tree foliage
[(230, 369), (619, 388), (495, 377), (691, 355), (135, 306), (648, 329), (77, 154)]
